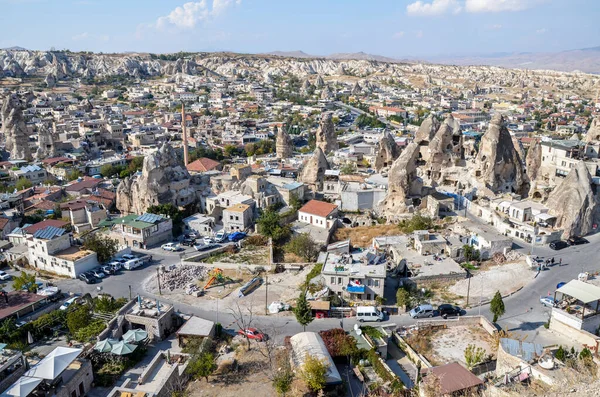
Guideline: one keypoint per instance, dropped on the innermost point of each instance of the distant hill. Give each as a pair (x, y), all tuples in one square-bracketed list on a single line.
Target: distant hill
[(584, 60), (15, 48), (339, 56), (291, 54)]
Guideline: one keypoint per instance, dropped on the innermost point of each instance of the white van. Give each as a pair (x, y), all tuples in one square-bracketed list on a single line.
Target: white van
[(133, 263), (369, 313)]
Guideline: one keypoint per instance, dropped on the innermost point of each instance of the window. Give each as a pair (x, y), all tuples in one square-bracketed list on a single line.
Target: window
[(377, 283), (339, 280), (368, 297), (332, 280)]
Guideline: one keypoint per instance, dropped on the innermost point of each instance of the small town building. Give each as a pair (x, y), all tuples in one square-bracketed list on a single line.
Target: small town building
[(147, 230), (195, 329), (318, 213), (237, 217)]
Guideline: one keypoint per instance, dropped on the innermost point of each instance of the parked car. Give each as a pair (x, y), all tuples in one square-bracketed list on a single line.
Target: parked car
[(116, 266), (133, 264), (21, 323), (4, 275), (208, 240), (87, 278), (221, 236), (237, 236), (188, 242), (206, 247), (39, 284), (253, 333), (192, 235), (68, 303), (108, 269), (173, 247), (98, 273), (129, 257), (446, 310), (558, 245), (548, 301), (422, 311), (577, 240)]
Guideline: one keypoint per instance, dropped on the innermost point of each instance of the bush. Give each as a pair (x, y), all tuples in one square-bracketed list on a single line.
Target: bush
[(78, 319), (417, 222), (257, 240), (314, 373), (90, 331), (314, 272), (338, 343)]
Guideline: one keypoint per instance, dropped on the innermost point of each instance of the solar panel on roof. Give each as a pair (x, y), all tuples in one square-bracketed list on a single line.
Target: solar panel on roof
[(150, 218), (49, 232)]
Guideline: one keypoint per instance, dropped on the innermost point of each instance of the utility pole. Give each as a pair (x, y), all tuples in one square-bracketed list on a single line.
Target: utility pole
[(266, 293), (130, 292), (158, 280), (468, 287)]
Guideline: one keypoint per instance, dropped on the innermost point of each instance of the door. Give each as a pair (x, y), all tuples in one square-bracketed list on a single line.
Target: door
[(81, 389)]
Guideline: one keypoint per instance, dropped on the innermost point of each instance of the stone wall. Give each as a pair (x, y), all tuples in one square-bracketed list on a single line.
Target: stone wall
[(410, 352), (157, 328), (578, 336), (507, 363), (84, 375)]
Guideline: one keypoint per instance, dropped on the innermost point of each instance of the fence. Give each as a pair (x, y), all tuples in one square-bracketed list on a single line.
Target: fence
[(410, 352), (461, 321)]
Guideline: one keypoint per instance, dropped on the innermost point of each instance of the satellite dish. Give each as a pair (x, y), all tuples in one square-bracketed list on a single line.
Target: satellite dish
[(359, 332), (356, 327)]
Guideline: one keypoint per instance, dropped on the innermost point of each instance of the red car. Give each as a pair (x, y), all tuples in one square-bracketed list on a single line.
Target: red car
[(253, 333)]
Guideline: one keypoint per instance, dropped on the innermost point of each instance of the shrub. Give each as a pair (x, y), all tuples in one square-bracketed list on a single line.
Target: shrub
[(303, 246), (314, 373), (338, 343)]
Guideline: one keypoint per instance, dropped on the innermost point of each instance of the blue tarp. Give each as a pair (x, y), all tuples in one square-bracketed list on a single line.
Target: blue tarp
[(356, 289)]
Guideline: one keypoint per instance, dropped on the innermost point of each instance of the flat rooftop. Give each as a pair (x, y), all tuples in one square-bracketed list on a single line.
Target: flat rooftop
[(73, 254), (18, 300), (355, 264)]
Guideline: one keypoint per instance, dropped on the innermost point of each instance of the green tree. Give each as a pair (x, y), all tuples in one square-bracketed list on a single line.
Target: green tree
[(23, 183), (303, 246), (269, 225), (417, 222), (282, 381), (171, 211), (403, 298), (295, 202), (303, 311), (25, 280), (348, 168), (230, 150), (78, 319), (202, 366), (470, 253), (560, 354), (473, 356), (73, 174), (497, 306), (105, 247), (107, 170), (314, 373)]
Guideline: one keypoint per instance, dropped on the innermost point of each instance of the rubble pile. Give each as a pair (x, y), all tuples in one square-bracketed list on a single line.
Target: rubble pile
[(181, 276)]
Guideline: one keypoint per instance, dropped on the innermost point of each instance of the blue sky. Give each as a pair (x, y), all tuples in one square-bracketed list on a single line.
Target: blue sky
[(395, 28)]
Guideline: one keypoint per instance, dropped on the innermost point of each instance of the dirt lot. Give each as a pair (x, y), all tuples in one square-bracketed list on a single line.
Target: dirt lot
[(448, 345), (250, 380), (505, 278), (363, 236)]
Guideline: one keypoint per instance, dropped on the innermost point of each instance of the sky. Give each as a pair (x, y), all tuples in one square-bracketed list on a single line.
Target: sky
[(394, 28)]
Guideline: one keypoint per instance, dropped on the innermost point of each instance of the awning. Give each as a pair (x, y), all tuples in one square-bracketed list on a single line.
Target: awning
[(544, 216), (54, 363), (22, 387), (320, 305), (356, 289), (581, 291)]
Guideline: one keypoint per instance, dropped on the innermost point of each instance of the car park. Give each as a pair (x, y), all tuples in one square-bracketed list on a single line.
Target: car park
[(548, 301), (576, 240), (4, 275), (422, 311), (87, 278), (446, 310), (558, 245), (253, 333)]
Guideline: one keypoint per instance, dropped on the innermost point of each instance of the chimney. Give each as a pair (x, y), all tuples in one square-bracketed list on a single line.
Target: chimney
[(184, 131)]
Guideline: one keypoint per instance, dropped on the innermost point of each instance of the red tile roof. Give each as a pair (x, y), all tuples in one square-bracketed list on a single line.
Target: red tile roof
[(85, 184), (318, 208), (203, 165), (3, 223), (44, 224)]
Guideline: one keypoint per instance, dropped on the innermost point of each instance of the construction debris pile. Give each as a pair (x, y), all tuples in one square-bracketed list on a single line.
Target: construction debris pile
[(181, 276)]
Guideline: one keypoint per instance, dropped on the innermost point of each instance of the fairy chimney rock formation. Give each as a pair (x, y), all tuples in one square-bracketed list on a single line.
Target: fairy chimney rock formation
[(593, 134), (164, 180), (498, 164), (533, 161), (403, 182), (387, 152), (283, 144), (46, 143), (574, 204), (14, 129), (313, 172), (427, 130), (326, 138)]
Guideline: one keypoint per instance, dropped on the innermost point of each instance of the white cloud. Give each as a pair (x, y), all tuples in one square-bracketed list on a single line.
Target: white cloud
[(541, 31), (398, 35), (496, 26), (476, 6), (190, 14), (436, 7), (80, 36)]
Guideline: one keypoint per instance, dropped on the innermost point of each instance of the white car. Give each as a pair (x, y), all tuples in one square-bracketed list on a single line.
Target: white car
[(548, 301), (208, 240), (68, 303), (221, 236), (4, 275), (171, 247)]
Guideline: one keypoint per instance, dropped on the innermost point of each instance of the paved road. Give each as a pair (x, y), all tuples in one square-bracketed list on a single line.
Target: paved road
[(523, 310)]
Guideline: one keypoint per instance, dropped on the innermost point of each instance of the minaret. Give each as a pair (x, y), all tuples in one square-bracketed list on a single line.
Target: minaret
[(184, 131)]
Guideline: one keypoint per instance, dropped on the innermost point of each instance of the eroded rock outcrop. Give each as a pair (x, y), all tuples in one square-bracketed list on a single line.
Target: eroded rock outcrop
[(326, 138), (387, 152), (14, 129), (284, 146), (403, 182), (593, 134), (533, 161), (427, 130), (313, 172), (46, 143), (164, 180), (445, 149), (574, 204), (498, 164)]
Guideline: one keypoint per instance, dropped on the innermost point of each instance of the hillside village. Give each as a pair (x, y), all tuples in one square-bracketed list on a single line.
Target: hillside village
[(190, 206)]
